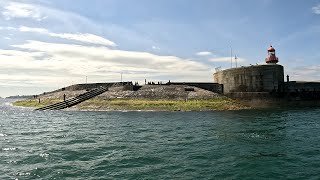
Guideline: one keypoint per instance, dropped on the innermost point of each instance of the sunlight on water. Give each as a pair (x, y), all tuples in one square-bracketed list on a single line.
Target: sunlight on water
[(254, 144)]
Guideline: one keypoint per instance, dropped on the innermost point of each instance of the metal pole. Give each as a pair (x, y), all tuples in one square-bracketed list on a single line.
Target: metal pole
[(231, 57), (121, 77), (235, 58), (86, 79)]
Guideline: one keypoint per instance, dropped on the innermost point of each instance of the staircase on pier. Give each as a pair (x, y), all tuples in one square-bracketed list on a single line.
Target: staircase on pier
[(76, 100)]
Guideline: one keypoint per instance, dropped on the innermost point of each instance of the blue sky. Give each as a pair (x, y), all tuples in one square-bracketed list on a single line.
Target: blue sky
[(50, 44)]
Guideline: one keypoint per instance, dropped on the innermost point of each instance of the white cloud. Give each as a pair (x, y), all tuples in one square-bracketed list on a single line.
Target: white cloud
[(58, 20), (8, 28), (38, 63), (127, 59), (204, 53), (87, 38), (21, 10), (41, 64), (316, 9), (303, 73), (34, 30), (155, 48), (226, 59)]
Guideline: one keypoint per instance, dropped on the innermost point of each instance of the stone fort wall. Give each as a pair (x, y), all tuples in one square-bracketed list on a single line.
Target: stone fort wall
[(257, 78)]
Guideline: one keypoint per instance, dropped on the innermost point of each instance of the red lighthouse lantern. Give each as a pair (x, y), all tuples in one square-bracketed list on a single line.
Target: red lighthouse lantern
[(272, 58)]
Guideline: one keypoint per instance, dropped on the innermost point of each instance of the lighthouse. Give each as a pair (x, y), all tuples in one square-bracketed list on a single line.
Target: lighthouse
[(272, 58)]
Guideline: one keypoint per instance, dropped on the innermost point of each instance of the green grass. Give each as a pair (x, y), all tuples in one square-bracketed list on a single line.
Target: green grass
[(221, 103), (35, 102), (165, 105)]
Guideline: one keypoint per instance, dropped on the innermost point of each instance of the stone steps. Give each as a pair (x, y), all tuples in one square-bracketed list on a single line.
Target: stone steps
[(76, 100)]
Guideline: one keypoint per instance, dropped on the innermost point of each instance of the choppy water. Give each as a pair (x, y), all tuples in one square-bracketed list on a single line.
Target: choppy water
[(251, 144)]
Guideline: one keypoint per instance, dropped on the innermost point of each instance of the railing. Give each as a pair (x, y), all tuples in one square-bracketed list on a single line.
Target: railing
[(76, 100)]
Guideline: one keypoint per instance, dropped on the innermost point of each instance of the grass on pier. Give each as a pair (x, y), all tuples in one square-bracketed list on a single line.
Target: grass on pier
[(161, 105), (35, 102), (221, 103)]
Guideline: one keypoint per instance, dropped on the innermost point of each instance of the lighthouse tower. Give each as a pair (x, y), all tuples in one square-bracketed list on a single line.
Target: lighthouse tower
[(272, 58)]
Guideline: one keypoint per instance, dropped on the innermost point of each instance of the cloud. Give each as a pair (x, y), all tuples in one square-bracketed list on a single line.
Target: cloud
[(88, 38), (155, 48), (316, 9), (304, 73), (34, 30), (21, 10), (204, 53), (8, 28), (69, 22), (49, 62), (82, 37), (127, 59), (226, 59), (37, 63)]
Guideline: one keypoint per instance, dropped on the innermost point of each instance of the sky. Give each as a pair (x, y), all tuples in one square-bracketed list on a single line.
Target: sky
[(49, 44)]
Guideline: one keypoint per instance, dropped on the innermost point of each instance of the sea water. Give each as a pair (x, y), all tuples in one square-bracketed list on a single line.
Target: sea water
[(248, 144)]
